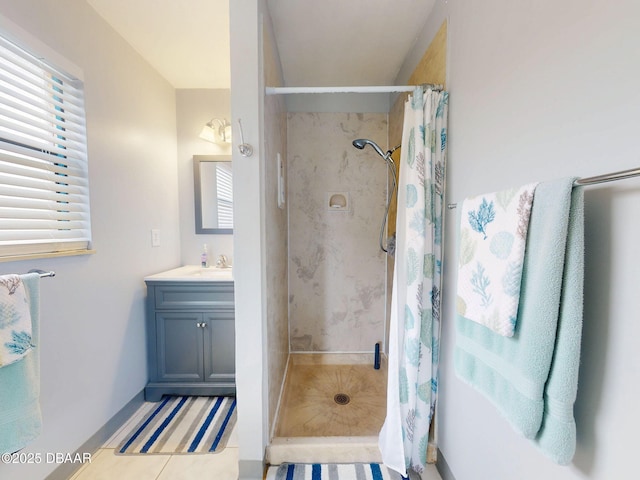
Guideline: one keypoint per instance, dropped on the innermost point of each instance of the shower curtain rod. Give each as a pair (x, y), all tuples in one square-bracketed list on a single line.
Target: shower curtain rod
[(353, 89), (582, 182)]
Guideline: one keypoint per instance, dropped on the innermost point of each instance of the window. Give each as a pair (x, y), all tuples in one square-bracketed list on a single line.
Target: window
[(224, 189), (44, 188)]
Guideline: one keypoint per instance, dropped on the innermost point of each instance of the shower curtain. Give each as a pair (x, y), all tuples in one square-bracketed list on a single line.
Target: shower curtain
[(415, 303)]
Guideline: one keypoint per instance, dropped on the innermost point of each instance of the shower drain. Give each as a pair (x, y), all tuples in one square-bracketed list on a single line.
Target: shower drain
[(341, 398)]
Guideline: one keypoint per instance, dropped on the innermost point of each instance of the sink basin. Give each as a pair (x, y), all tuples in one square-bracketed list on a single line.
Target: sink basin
[(211, 272), (190, 273)]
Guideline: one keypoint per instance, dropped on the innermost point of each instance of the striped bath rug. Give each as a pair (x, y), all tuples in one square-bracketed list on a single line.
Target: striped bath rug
[(182, 425), (336, 471)]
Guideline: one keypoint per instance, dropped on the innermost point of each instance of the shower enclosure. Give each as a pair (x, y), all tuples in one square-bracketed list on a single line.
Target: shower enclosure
[(332, 395)]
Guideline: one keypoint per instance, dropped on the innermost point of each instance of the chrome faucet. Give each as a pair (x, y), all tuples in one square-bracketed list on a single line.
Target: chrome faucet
[(222, 261)]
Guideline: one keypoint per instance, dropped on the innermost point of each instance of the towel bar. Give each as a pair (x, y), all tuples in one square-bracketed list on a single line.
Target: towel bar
[(581, 182), (42, 273)]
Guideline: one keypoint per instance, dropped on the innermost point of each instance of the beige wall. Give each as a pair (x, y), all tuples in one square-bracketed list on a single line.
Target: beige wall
[(432, 68), (276, 227), (336, 268)]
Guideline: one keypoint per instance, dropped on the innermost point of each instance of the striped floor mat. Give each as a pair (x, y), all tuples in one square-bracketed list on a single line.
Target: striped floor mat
[(334, 471), (182, 425)]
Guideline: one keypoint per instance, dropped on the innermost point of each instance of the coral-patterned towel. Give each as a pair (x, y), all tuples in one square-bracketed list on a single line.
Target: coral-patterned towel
[(493, 236), (15, 320)]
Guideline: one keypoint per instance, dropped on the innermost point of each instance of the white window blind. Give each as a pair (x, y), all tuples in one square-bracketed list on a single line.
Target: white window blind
[(224, 188), (44, 188)]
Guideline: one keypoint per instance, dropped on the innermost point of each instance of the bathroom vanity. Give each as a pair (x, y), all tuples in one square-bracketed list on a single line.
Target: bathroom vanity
[(190, 332)]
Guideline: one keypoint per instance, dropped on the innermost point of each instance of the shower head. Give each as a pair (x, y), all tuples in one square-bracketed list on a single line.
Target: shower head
[(362, 142)]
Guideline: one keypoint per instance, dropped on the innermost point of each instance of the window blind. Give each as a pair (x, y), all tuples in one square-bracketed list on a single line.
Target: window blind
[(224, 189), (44, 188)]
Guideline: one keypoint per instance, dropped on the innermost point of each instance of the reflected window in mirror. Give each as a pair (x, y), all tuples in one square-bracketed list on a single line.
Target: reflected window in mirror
[(213, 188)]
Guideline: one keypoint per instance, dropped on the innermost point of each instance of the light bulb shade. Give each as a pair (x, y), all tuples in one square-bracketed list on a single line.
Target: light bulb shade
[(226, 133), (216, 131), (208, 134)]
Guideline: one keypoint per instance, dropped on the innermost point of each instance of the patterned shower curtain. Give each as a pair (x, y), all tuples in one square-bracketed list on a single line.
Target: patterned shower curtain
[(415, 303)]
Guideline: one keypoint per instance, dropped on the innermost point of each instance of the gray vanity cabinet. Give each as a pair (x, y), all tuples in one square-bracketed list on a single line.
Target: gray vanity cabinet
[(190, 339)]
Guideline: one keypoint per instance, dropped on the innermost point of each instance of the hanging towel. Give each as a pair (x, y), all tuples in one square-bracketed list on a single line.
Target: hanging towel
[(493, 235), (532, 377), (20, 416), (15, 320), (557, 435)]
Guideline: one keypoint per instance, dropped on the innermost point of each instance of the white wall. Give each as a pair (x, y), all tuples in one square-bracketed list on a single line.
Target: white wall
[(249, 271), (194, 108), (541, 90), (92, 313)]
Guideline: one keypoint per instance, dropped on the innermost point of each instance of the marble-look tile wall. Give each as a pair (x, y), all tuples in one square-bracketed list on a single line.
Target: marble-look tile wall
[(275, 138), (336, 269)]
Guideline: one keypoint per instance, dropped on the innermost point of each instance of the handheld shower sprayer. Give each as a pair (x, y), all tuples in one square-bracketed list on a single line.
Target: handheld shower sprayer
[(360, 143), (363, 142)]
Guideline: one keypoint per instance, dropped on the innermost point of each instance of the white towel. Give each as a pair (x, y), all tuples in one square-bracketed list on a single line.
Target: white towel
[(493, 236), (15, 320)]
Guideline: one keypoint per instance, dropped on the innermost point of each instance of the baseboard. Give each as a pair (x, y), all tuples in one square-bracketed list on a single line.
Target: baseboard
[(98, 439), (443, 467), (251, 470)]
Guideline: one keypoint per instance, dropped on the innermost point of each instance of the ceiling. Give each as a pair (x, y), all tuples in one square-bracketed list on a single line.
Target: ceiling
[(186, 41), (321, 43)]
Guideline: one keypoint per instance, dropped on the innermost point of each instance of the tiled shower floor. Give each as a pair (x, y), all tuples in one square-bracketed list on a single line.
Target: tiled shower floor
[(332, 395), (312, 427)]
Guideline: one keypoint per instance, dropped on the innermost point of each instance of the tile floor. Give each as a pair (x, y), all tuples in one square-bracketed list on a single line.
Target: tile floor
[(106, 465)]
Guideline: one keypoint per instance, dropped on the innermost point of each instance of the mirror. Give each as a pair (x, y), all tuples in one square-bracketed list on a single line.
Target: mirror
[(213, 177)]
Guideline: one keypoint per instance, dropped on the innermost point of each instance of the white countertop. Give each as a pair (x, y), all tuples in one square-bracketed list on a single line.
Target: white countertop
[(193, 273)]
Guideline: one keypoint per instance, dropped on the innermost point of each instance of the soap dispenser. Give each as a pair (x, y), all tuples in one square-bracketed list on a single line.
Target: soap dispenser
[(204, 258)]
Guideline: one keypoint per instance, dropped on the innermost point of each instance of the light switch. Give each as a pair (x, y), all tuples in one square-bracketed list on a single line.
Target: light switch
[(155, 237)]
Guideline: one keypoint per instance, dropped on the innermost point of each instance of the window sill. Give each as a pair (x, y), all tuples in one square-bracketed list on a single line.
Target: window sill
[(32, 256)]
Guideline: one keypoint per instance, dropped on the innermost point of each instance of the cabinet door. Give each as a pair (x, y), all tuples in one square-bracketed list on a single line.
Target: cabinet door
[(219, 347), (179, 347)]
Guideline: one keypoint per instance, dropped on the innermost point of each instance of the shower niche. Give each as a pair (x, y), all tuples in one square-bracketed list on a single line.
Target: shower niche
[(338, 201)]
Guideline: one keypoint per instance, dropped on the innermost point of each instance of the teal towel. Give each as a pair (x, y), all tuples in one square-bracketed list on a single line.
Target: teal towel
[(532, 377), (20, 416), (15, 320)]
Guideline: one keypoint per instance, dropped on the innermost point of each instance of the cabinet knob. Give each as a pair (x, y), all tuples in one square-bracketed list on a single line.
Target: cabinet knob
[(201, 324)]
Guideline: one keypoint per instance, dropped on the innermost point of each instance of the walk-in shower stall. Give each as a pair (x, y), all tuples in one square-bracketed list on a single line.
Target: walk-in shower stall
[(342, 316), (333, 401)]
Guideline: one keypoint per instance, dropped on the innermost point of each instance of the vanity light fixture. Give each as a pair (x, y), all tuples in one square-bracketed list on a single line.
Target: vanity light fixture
[(216, 131)]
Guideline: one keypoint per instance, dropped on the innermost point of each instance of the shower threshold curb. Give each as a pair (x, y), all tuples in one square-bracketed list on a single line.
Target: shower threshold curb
[(323, 450)]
